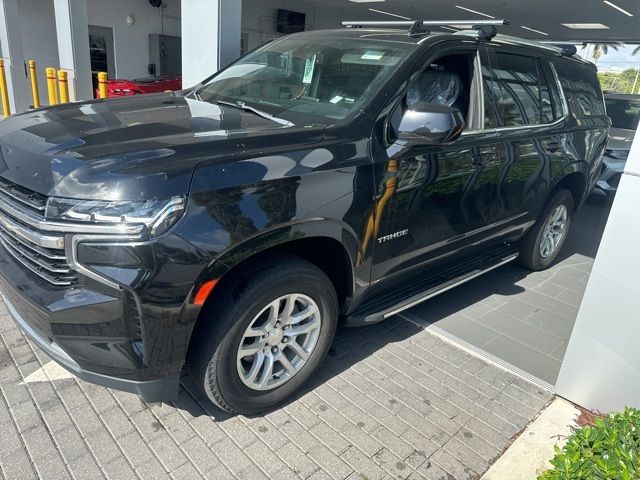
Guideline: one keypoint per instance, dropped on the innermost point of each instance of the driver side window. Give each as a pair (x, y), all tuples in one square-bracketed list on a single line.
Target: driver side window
[(456, 80)]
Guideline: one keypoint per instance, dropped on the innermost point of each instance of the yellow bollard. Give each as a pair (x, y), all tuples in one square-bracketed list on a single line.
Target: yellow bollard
[(6, 109), (64, 86), (102, 85), (34, 84), (51, 86)]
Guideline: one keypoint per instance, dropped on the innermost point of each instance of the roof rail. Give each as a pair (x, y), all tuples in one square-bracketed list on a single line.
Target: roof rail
[(421, 27), (564, 49), (567, 49)]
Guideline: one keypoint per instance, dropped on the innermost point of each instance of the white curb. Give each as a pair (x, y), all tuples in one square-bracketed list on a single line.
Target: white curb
[(529, 455)]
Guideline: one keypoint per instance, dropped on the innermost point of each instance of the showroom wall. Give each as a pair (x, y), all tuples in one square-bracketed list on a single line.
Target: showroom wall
[(132, 43), (38, 32), (39, 41)]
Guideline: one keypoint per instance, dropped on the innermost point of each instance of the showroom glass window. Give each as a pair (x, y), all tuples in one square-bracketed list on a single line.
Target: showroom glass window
[(319, 76), (521, 91)]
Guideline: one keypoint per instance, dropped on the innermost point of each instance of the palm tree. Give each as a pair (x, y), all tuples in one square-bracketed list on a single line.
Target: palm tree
[(602, 48)]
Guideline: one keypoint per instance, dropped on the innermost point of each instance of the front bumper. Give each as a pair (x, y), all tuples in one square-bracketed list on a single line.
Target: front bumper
[(132, 338), (150, 391)]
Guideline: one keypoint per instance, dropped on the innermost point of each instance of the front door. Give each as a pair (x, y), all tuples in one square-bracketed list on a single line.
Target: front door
[(434, 201)]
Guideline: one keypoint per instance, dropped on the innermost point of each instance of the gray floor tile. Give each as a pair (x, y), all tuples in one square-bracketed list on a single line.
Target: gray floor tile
[(573, 298), (465, 329), (559, 352), (519, 355), (522, 331), (547, 321), (517, 309), (549, 304)]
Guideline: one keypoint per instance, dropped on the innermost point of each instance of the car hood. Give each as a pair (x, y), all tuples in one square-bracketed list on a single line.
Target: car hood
[(620, 139), (133, 148)]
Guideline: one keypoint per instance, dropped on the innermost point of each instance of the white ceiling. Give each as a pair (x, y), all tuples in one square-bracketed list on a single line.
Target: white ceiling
[(544, 15)]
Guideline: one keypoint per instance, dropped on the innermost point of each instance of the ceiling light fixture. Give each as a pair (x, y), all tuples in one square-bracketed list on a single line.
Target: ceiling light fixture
[(475, 11), (620, 9), (535, 31), (586, 26), (389, 13)]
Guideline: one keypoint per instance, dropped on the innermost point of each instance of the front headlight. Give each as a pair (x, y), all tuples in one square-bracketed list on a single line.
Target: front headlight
[(156, 215), (617, 153)]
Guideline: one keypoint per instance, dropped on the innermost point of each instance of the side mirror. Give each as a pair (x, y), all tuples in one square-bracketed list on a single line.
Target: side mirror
[(431, 124)]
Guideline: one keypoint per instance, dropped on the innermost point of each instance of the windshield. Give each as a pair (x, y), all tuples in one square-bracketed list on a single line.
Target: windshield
[(329, 78), (623, 113)]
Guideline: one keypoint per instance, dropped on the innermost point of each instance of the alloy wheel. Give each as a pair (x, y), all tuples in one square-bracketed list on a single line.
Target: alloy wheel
[(554, 231), (278, 341)]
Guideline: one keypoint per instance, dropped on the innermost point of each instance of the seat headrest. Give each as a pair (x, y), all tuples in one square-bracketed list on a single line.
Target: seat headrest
[(433, 86)]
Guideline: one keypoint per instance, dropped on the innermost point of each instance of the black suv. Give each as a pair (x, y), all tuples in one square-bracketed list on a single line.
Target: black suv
[(326, 178)]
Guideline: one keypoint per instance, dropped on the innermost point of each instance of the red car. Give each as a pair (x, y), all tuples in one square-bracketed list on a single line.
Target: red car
[(123, 88)]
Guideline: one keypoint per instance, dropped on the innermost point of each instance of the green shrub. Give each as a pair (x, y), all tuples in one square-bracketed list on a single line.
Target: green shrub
[(610, 449)]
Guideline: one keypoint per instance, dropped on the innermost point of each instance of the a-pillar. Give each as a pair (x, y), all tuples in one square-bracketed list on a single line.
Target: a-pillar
[(210, 37), (72, 29), (11, 45)]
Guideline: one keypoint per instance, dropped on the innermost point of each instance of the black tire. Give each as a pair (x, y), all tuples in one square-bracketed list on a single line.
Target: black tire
[(212, 360), (530, 254)]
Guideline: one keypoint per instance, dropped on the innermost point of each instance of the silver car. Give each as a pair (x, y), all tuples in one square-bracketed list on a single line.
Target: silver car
[(624, 111)]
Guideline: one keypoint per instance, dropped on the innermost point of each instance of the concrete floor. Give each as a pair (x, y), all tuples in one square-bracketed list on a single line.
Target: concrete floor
[(518, 317)]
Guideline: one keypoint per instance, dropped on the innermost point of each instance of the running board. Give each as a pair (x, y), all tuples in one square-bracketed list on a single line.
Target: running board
[(368, 318)]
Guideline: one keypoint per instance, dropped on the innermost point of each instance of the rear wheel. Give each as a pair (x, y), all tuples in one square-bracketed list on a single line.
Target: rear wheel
[(542, 244), (265, 337)]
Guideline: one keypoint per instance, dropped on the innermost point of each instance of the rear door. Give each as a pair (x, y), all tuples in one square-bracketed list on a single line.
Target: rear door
[(531, 124)]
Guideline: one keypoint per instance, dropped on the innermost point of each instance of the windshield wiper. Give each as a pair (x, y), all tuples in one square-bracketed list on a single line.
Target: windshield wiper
[(243, 106)]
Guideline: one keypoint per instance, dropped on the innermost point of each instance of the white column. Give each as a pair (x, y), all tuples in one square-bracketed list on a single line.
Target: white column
[(210, 37), (601, 368), (72, 28), (11, 45)]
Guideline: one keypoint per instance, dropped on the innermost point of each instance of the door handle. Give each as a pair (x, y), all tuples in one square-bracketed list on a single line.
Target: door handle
[(552, 146)]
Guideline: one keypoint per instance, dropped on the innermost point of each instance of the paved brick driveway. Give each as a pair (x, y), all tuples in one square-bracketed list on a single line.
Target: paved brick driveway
[(392, 401)]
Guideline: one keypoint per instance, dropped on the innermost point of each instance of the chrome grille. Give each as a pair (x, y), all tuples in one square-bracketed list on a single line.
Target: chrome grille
[(40, 252), (33, 200)]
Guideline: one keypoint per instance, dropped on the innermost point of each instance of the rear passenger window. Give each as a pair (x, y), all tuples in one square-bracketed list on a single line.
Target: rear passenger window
[(521, 91), (582, 84)]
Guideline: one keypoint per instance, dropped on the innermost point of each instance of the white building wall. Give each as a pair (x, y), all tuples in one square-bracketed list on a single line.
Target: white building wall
[(38, 33), (601, 368), (132, 43)]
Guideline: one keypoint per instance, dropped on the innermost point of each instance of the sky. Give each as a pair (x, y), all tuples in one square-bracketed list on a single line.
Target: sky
[(620, 60)]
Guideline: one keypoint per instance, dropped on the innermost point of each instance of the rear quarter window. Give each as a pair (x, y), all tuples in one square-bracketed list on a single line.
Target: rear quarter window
[(581, 84)]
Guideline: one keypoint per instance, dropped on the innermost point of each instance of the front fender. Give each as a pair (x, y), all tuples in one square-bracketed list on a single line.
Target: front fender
[(316, 228)]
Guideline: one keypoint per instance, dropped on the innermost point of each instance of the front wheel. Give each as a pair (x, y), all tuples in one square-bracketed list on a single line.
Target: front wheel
[(265, 338), (542, 244)]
